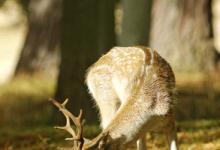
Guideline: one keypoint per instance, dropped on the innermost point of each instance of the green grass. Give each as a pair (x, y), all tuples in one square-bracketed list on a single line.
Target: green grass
[(192, 135), (24, 101), (25, 116), (37, 138)]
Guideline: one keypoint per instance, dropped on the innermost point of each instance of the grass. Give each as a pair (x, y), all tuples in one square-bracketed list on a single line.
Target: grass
[(37, 138), (198, 96), (25, 116), (192, 135), (24, 101)]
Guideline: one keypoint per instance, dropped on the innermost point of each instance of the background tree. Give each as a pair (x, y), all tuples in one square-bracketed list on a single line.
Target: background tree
[(135, 26), (42, 41), (85, 33), (106, 25), (2, 2), (182, 33)]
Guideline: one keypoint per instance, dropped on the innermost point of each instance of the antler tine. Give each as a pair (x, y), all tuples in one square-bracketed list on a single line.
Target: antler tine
[(65, 102), (57, 104), (77, 121), (67, 115)]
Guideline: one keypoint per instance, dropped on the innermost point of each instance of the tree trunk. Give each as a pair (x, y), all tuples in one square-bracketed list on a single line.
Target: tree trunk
[(40, 50), (135, 22), (106, 25), (182, 33), (80, 47)]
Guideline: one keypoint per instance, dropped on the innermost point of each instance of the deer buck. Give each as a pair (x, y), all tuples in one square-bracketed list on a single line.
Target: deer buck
[(133, 88)]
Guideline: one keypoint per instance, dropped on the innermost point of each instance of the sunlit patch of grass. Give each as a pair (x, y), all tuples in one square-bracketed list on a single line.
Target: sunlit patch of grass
[(200, 135), (27, 86), (23, 101), (198, 81), (198, 96), (192, 135)]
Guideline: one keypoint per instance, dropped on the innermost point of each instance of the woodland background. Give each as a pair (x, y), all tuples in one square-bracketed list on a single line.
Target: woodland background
[(47, 45)]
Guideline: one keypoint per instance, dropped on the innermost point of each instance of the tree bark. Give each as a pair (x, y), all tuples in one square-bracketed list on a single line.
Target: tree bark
[(82, 32), (106, 25), (135, 25), (40, 50), (182, 33)]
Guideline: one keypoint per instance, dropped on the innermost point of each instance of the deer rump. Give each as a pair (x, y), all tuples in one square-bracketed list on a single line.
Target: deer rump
[(133, 89)]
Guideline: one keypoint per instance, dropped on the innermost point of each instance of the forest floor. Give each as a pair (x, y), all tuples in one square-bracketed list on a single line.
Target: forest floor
[(192, 135), (26, 115)]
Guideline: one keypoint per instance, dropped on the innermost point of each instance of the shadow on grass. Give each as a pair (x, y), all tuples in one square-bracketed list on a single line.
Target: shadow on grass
[(38, 138)]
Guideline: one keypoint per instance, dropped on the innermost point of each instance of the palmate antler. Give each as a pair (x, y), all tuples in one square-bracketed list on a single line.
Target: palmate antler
[(79, 142), (77, 137)]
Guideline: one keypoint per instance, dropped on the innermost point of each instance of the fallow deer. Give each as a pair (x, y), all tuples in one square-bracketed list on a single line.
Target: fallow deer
[(133, 88)]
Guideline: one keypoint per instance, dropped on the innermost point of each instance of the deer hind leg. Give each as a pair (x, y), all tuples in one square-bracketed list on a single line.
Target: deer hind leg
[(141, 143), (171, 135), (100, 87), (108, 108), (172, 139)]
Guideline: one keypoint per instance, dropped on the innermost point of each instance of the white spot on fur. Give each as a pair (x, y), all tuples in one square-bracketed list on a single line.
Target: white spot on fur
[(154, 75)]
